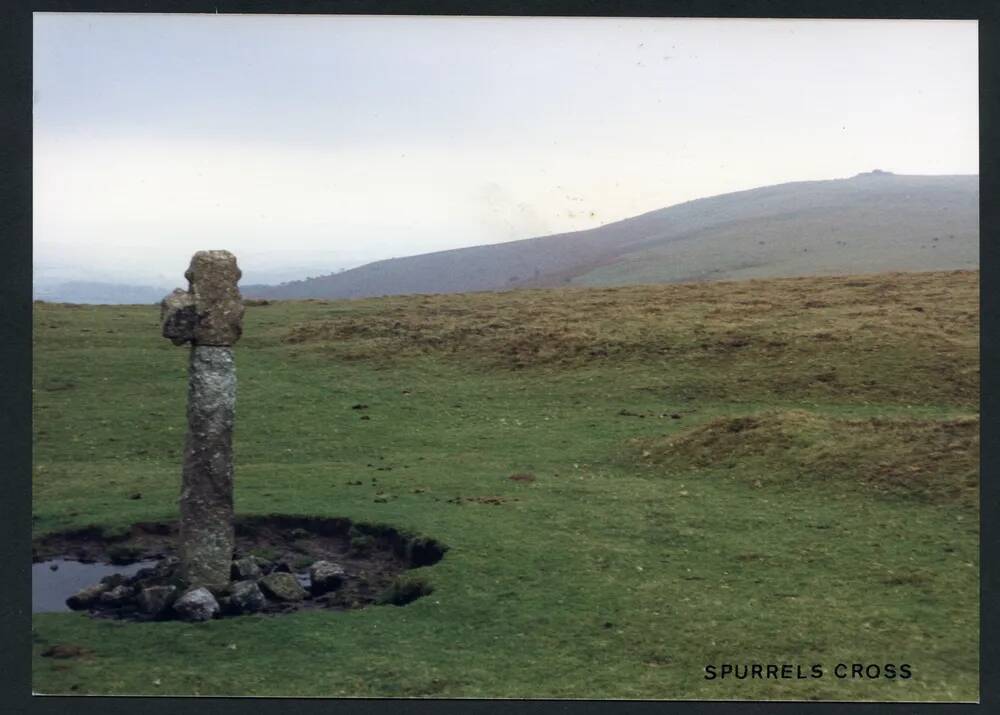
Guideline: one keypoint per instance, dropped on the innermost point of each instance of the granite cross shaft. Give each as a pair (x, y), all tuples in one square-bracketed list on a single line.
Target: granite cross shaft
[(208, 315)]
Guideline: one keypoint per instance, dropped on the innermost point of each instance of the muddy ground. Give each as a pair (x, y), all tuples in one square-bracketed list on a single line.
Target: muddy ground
[(373, 556)]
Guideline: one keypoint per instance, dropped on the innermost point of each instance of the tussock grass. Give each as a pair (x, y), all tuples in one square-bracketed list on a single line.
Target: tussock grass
[(852, 337), (931, 460)]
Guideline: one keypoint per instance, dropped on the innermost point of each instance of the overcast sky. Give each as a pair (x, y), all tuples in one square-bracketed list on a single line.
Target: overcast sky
[(309, 144)]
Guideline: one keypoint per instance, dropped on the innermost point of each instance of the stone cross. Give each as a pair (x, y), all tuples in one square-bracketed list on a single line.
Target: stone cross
[(208, 315)]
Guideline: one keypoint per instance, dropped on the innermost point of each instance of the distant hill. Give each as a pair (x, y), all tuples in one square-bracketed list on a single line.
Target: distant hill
[(96, 292), (872, 222)]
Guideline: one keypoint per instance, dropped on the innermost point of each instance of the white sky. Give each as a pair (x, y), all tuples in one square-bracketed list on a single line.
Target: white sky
[(308, 144)]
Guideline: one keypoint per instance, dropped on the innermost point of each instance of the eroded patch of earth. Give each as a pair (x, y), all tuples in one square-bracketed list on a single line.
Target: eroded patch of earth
[(281, 564)]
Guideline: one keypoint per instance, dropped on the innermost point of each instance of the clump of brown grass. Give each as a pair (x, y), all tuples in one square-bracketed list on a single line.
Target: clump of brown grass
[(509, 330), (932, 460), (871, 338)]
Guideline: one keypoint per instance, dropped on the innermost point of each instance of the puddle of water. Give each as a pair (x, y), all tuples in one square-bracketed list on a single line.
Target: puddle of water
[(50, 588)]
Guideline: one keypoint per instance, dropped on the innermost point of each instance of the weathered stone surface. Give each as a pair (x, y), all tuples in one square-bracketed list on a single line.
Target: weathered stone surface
[(282, 587), (85, 598), (210, 311), (155, 600), (167, 567), (206, 503), (247, 597), (221, 590), (208, 315), (112, 580), (116, 596), (212, 277), (325, 576), (246, 568), (178, 317), (197, 604)]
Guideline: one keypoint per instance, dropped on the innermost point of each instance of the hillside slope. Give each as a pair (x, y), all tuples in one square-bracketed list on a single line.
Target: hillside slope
[(871, 222)]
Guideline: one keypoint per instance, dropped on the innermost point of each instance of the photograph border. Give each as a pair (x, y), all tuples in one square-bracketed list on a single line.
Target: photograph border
[(15, 354)]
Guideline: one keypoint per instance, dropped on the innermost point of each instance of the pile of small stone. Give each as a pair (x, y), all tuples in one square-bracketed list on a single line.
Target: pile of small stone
[(257, 585)]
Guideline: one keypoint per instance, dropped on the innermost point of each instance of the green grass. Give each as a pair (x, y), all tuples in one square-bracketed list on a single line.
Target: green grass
[(615, 574)]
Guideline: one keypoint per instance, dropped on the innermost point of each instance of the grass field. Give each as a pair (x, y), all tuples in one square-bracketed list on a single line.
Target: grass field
[(780, 471)]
